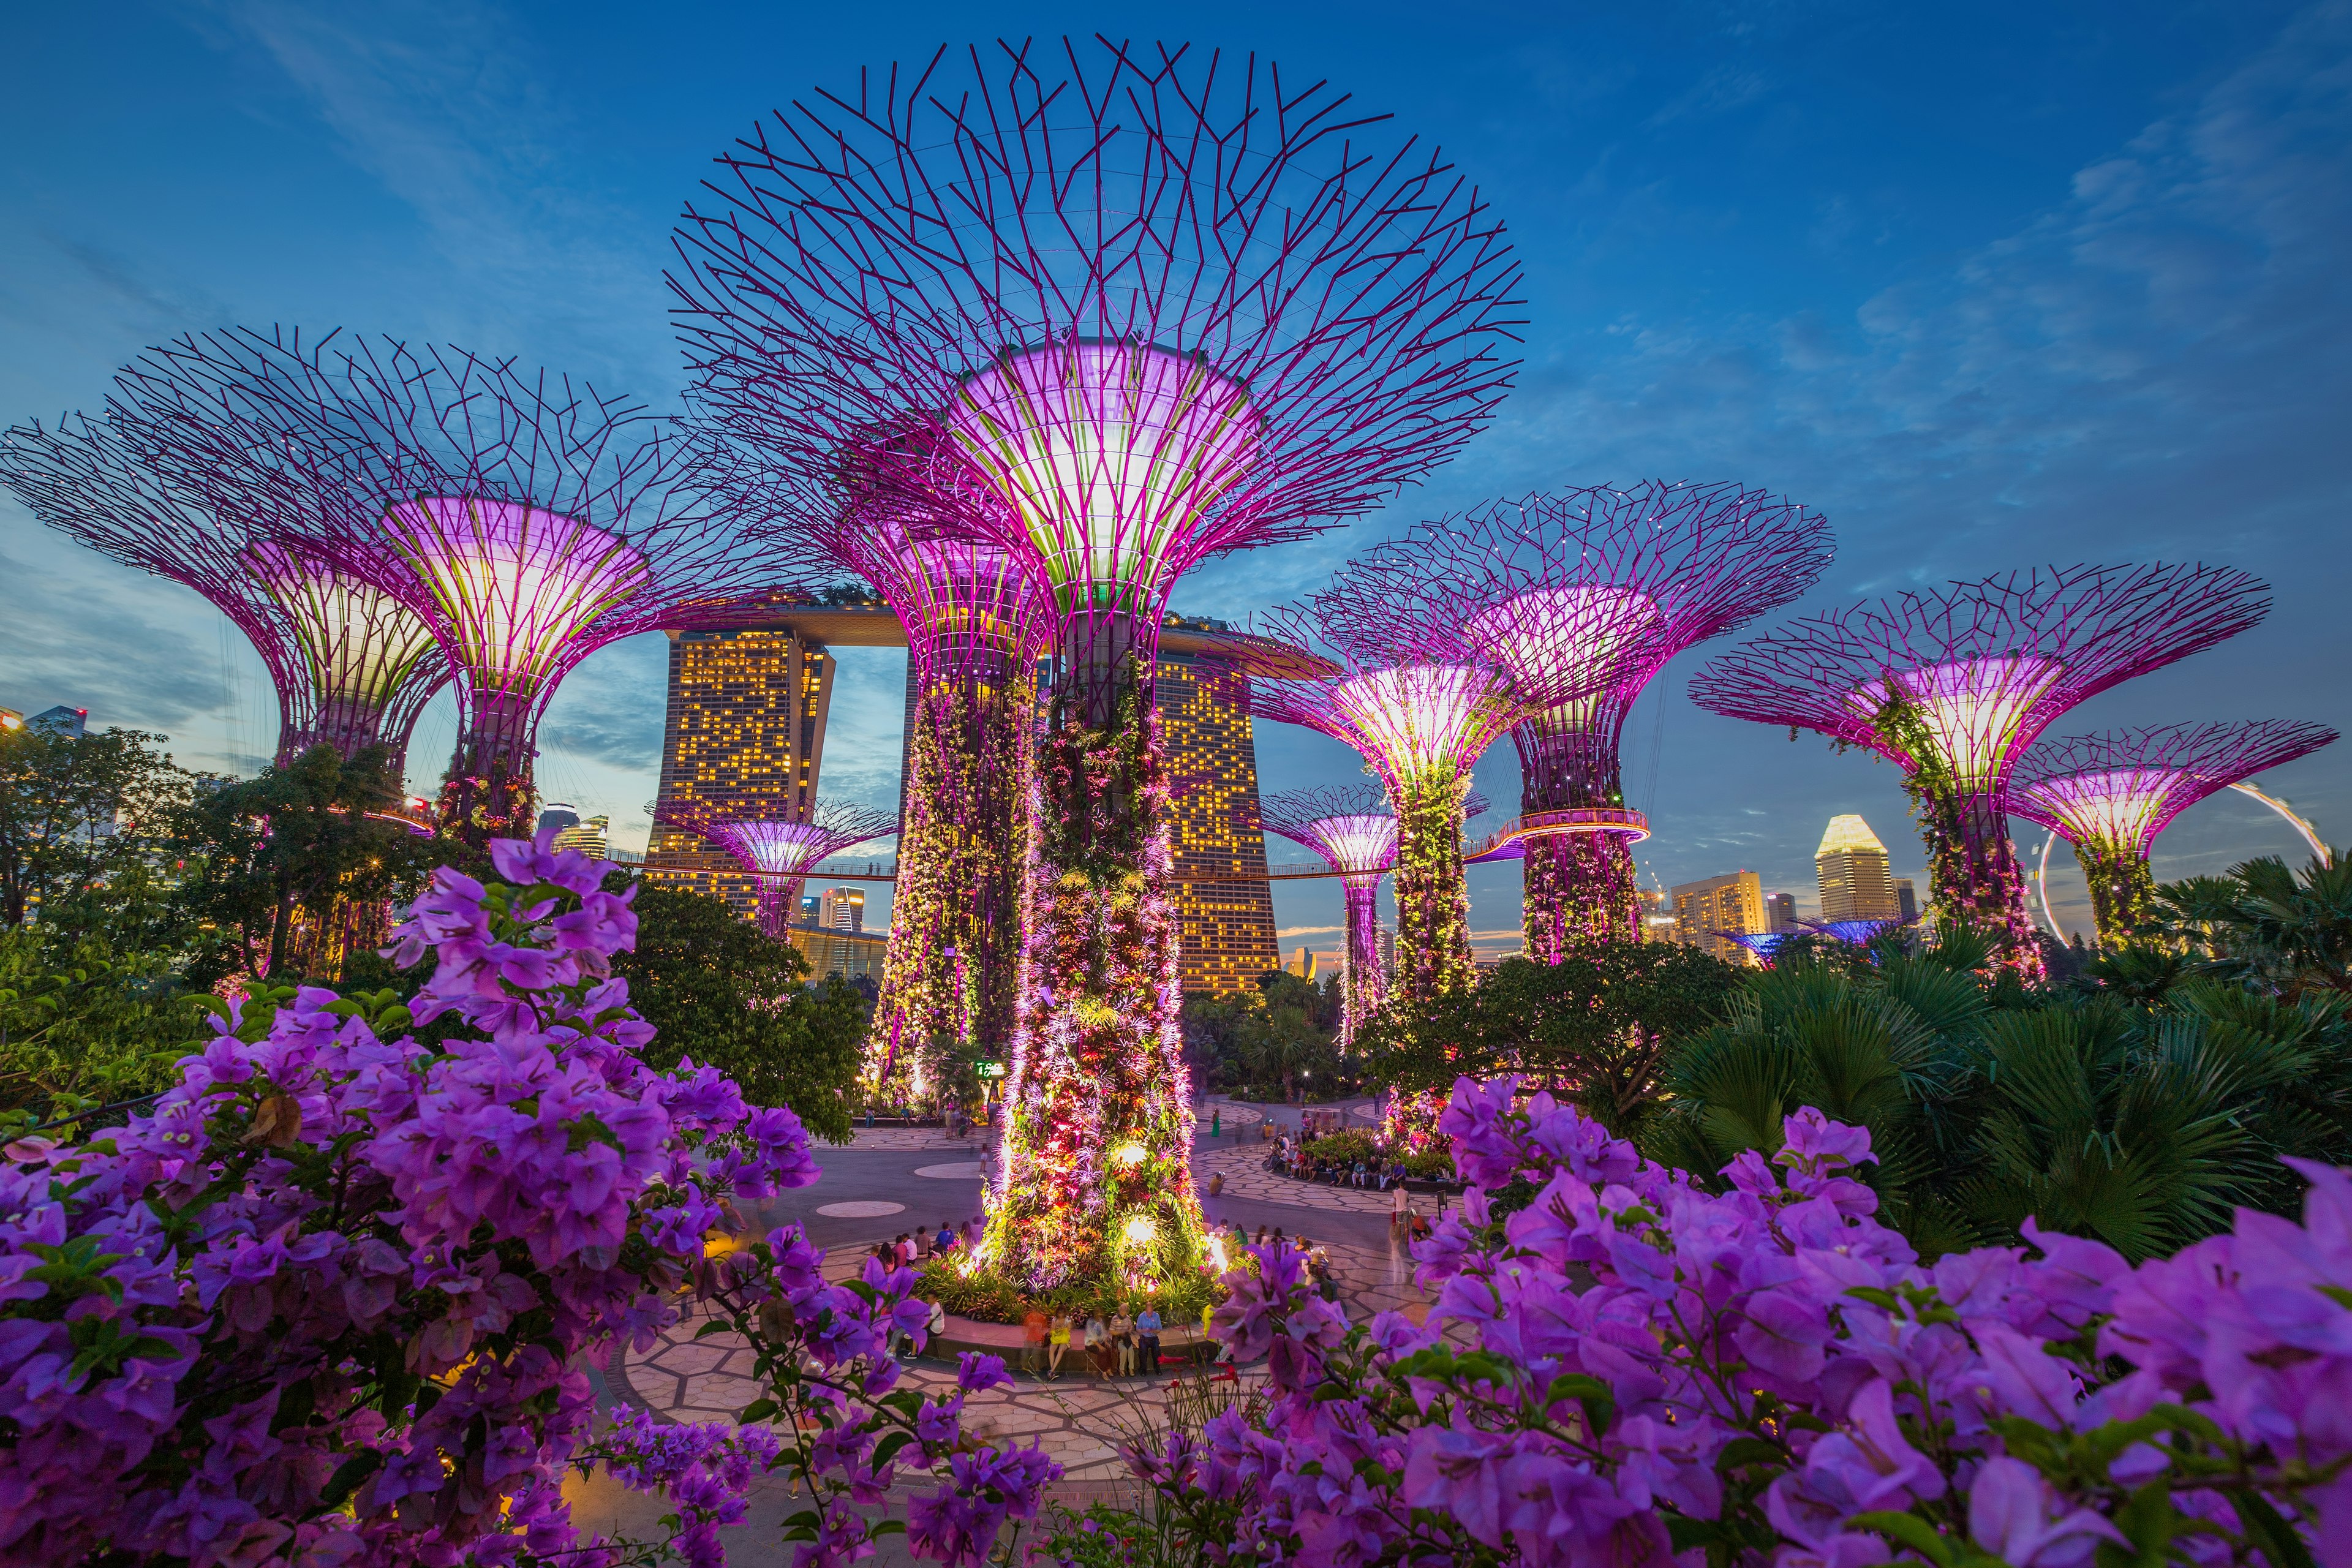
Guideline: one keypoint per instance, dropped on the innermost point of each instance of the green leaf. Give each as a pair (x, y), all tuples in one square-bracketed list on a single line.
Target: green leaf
[(715, 1326), (888, 1527), (1600, 1402), (1908, 1529), (349, 1475), (758, 1410), (1742, 1451), (889, 1445), (2265, 1528)]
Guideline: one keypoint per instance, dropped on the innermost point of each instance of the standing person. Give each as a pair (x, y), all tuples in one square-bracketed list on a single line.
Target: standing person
[(1147, 1330), (1122, 1338), (1396, 1214), (1032, 1341), (1208, 1344), (1060, 1336)]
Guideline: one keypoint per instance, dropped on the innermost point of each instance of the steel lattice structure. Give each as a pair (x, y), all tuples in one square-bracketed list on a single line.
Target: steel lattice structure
[(526, 519), (1420, 713), (1762, 944), (1163, 309), (2110, 794), (1356, 834), (351, 667), (776, 848), (1954, 686), (1584, 596)]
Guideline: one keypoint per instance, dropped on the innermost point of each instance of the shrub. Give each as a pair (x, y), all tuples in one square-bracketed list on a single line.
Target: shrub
[(987, 1298), (1632, 1370), (330, 1302)]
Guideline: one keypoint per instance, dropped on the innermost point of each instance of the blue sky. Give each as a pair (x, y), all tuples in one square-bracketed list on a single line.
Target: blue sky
[(1992, 285)]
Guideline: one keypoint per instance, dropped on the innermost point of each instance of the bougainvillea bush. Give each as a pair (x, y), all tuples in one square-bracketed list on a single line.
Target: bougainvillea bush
[(1631, 1368), (332, 1301)]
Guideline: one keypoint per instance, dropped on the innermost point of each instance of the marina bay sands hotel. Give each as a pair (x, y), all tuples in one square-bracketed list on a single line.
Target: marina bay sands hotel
[(746, 722)]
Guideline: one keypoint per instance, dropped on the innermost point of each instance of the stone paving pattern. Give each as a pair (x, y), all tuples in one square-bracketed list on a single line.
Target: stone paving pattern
[(1243, 1168), (1078, 1418)]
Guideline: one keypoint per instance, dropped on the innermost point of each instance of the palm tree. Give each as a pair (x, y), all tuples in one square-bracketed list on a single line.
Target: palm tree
[(2264, 923)]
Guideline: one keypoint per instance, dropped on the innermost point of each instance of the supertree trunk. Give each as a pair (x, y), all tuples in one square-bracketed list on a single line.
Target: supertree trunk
[(779, 896), (1581, 890), (2123, 890), (1433, 943), (1364, 985), (1976, 875), (1095, 1167), (950, 978), (489, 793)]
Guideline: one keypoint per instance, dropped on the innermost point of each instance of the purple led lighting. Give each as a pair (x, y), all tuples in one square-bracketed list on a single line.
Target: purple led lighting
[(2121, 788), (351, 667), (526, 519), (1953, 686), (1854, 933), (1762, 944), (1412, 718), (774, 847), (1974, 711), (514, 585), (1105, 455), (1353, 834)]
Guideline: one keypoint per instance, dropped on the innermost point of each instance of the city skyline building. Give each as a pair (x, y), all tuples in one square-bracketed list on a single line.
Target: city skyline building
[(1780, 912), (843, 909), (1953, 685), (2110, 794), (1855, 875), (1713, 912), (1906, 900), (1224, 904), (1582, 597), (1222, 368)]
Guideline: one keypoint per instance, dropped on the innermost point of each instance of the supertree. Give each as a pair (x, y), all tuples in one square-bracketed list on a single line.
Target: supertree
[(1762, 944), (1594, 584), (1953, 686), (1356, 834), (1854, 934), (351, 667), (974, 622), (1419, 716), (1164, 309), (526, 521), (2110, 794), (775, 847)]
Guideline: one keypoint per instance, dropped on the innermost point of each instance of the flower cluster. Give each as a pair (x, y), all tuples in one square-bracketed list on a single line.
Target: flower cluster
[(1631, 1368), (328, 1302)]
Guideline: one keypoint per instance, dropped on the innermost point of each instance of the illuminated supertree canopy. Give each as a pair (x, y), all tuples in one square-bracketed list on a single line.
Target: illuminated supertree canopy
[(1356, 834), (1854, 934), (1164, 307), (351, 665), (1420, 716), (2110, 794), (775, 847), (1764, 944), (526, 521), (1954, 686), (1584, 596)]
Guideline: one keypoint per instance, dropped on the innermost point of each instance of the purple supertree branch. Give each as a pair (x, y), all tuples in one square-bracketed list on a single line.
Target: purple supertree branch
[(1355, 832), (2084, 629), (878, 252), (769, 842), (528, 521), (1954, 686), (351, 667), (2123, 787), (1583, 597)]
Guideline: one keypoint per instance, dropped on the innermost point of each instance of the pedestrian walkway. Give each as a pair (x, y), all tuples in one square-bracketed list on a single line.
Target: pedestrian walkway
[(1243, 1168), (911, 1139), (1080, 1420)]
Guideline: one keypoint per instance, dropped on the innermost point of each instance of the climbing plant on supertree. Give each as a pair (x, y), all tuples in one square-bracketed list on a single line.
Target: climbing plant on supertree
[(527, 521), (2110, 794), (1584, 596), (974, 621), (1356, 835), (1952, 687), (1163, 309), (1420, 713)]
